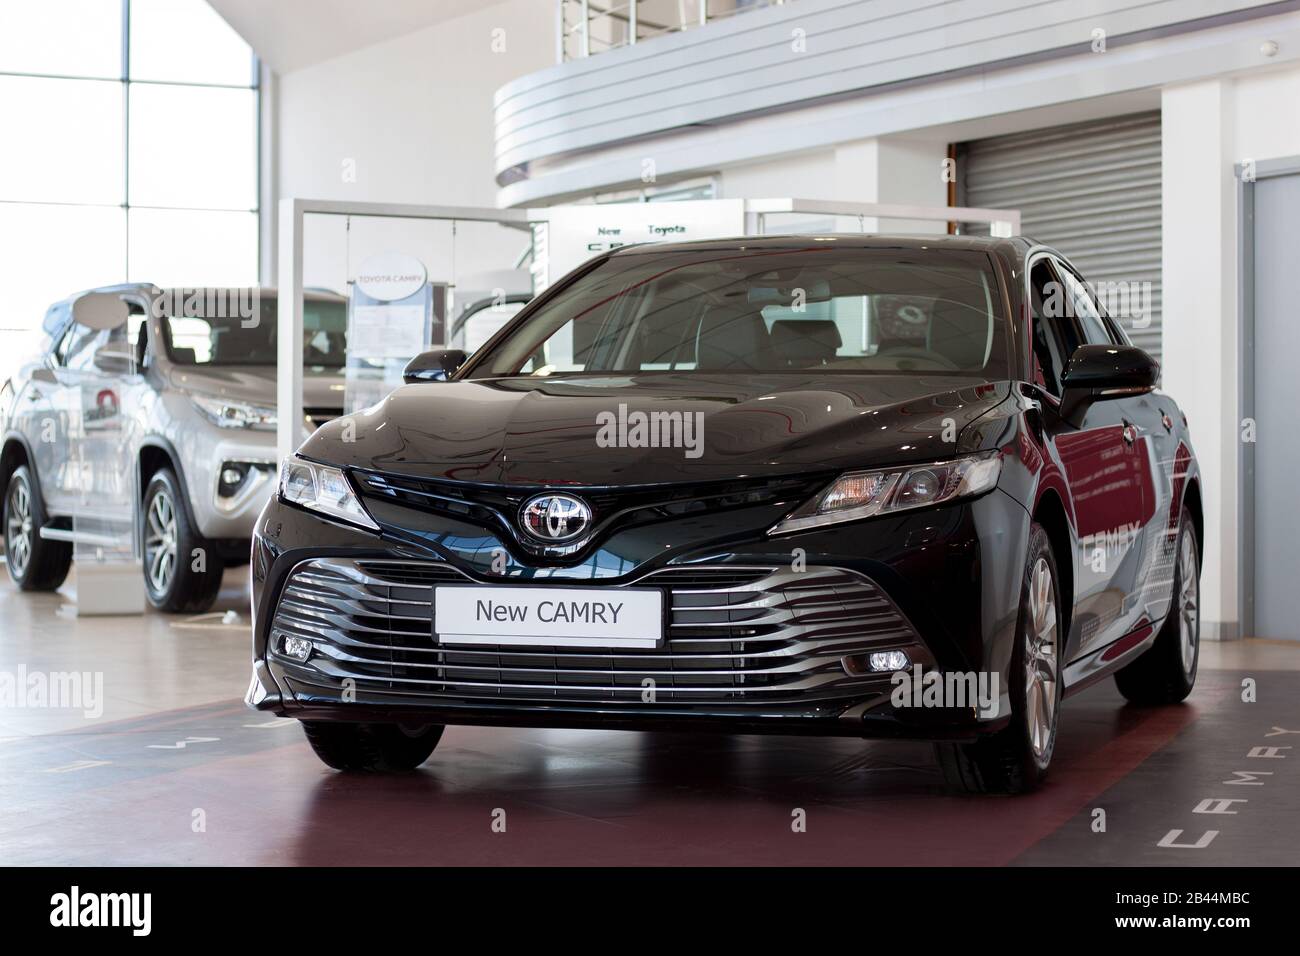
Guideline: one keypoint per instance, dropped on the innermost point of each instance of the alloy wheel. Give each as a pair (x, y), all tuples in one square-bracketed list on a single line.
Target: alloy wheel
[(18, 536), (1040, 660), (1188, 601), (160, 541)]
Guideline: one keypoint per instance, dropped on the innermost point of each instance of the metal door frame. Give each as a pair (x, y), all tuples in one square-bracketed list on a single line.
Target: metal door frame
[(1248, 173)]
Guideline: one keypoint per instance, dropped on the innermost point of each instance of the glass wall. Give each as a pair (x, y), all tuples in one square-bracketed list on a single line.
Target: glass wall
[(129, 153)]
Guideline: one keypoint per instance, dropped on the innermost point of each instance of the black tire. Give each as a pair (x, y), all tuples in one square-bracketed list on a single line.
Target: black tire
[(1164, 674), (191, 583), (371, 748), (1008, 761), (35, 564)]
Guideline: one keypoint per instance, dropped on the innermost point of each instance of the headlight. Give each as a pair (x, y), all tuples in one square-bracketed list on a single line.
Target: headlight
[(862, 494), (322, 489), (229, 414)]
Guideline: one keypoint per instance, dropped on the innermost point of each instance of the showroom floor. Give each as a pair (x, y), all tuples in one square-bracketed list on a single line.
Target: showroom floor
[(177, 771)]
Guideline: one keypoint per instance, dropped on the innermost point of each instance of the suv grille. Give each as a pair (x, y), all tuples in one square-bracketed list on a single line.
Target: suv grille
[(735, 636)]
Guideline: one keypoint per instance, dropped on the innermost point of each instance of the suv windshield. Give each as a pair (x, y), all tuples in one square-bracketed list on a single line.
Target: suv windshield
[(815, 309), (201, 340)]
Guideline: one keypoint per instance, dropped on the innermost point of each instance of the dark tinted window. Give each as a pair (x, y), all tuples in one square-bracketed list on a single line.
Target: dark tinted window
[(228, 336), (815, 309)]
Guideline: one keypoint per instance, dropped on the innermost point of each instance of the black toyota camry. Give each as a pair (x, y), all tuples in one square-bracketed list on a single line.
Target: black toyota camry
[(865, 486)]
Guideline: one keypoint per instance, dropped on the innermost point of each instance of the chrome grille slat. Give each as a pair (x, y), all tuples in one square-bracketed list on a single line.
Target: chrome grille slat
[(809, 682), (763, 634)]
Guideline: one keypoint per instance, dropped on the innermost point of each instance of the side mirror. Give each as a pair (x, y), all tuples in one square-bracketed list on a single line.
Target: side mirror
[(113, 363), (1099, 372), (435, 365)]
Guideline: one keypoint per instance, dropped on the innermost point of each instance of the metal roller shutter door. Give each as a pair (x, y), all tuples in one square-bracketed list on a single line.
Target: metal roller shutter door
[(1091, 190)]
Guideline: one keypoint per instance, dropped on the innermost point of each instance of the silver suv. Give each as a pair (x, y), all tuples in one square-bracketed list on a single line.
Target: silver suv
[(189, 376)]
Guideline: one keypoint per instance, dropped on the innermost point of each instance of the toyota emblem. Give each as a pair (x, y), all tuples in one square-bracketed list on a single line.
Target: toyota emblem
[(555, 518)]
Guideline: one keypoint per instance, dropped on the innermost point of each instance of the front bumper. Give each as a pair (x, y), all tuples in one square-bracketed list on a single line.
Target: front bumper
[(758, 628)]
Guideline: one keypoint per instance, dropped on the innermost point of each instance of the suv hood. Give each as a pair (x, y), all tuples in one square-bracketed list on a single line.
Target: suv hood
[(255, 384), (526, 431)]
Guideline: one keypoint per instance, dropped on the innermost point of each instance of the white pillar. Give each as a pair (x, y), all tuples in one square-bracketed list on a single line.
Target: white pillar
[(1199, 280), (893, 169), (288, 379)]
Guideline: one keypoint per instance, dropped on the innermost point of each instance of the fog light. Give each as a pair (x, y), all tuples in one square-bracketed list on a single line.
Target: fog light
[(889, 661), (299, 648), (232, 477)]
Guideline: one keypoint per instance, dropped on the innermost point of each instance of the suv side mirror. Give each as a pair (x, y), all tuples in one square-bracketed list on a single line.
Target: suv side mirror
[(435, 365), (113, 363), (1099, 372)]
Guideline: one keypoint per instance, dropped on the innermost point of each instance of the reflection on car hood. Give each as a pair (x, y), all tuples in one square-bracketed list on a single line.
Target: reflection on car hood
[(256, 384), (549, 431)]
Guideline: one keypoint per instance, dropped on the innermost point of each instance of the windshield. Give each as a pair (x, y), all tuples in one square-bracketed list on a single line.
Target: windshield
[(200, 340), (815, 309)]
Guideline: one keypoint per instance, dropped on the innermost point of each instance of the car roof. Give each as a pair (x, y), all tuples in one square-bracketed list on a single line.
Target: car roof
[(852, 240)]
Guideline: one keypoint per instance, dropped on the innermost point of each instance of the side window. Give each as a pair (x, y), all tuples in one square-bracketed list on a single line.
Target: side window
[(1084, 309), (78, 346), (1051, 348)]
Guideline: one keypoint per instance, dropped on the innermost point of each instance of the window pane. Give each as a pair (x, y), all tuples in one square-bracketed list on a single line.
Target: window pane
[(46, 254), (64, 37), (174, 247), (185, 41), (70, 147), (175, 163)]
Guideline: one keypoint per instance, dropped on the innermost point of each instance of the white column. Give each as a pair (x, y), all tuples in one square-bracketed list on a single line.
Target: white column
[(1200, 318), (288, 379), (893, 169)]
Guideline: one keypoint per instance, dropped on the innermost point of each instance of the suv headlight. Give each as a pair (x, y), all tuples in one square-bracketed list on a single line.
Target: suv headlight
[(862, 494), (324, 489), (230, 414)]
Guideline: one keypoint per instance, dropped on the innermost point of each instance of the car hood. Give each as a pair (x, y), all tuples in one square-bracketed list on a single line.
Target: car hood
[(256, 384), (583, 431)]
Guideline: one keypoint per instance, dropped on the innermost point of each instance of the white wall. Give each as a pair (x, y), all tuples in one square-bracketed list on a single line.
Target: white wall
[(1207, 128), (407, 120)]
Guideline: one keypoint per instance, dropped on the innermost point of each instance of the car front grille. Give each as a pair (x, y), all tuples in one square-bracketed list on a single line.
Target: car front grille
[(613, 509), (749, 637)]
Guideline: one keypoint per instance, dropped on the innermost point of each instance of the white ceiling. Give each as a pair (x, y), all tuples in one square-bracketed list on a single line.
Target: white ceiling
[(289, 34)]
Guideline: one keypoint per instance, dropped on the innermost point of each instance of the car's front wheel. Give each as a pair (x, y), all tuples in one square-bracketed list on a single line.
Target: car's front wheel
[(1016, 758), (35, 563), (1166, 671), (182, 571), (372, 747)]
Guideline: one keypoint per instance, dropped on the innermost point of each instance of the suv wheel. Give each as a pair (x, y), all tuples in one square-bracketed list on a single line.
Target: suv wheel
[(182, 571), (1166, 671), (1015, 759), (35, 564), (372, 747)]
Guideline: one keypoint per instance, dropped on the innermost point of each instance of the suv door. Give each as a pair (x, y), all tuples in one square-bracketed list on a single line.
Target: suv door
[(96, 373), (1098, 460)]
